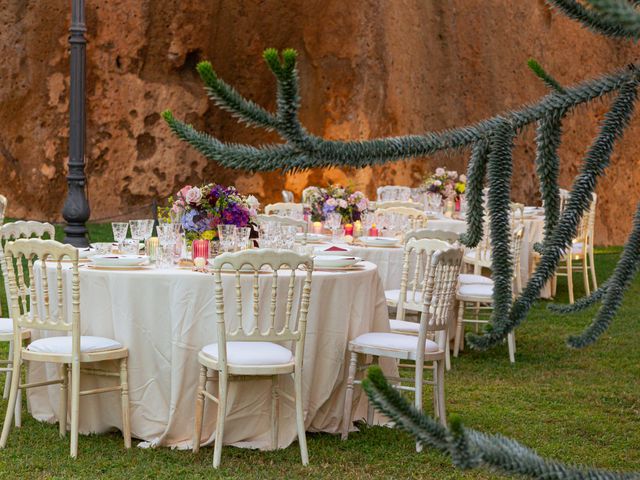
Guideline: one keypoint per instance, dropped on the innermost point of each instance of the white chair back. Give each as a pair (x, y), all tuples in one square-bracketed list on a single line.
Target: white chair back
[(444, 235), (415, 218), (400, 203), (283, 325), (393, 192), (26, 298), (415, 263), (285, 209), (14, 231)]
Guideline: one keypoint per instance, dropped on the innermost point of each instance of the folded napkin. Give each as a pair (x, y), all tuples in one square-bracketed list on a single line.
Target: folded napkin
[(336, 249)]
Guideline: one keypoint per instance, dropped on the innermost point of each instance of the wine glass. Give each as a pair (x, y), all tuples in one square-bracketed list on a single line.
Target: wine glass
[(138, 231), (435, 202), (243, 236), (119, 232), (227, 236), (333, 221)]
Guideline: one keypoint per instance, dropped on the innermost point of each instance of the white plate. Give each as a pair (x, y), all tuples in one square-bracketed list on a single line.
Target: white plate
[(334, 261), (87, 252), (312, 237), (119, 260), (379, 241), (325, 251)]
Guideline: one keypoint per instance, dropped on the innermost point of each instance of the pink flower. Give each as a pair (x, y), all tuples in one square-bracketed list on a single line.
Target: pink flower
[(193, 196), (342, 203), (362, 205), (183, 191), (440, 171)]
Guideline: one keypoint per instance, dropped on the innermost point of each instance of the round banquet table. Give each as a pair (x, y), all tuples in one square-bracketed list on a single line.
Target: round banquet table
[(164, 317)]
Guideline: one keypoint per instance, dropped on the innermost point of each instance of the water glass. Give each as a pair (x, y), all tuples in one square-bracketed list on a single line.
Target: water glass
[(435, 202), (269, 235), (167, 240), (333, 222), (288, 236), (227, 236), (243, 235), (119, 232)]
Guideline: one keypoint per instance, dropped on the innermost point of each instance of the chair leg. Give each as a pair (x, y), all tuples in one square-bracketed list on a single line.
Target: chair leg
[(11, 405), (124, 396), (442, 413), (64, 398), (459, 329), (348, 398), (302, 436), (222, 413), (585, 275), (197, 429), (592, 267), (274, 412), (7, 380), (570, 278), (75, 407), (511, 343), (419, 378), (447, 350)]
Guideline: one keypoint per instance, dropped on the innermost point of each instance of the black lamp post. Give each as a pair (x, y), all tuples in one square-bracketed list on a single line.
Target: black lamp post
[(76, 207)]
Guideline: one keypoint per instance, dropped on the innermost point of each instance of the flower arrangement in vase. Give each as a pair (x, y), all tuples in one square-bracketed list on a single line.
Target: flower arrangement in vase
[(200, 210), (346, 201), (447, 183)]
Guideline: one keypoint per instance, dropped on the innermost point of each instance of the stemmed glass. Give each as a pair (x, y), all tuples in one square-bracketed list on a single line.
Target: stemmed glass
[(243, 236), (435, 202), (333, 221), (227, 236), (119, 232), (367, 219), (138, 231), (288, 236), (167, 240)]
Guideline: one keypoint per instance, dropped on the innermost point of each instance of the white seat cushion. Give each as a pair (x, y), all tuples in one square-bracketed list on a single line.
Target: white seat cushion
[(62, 345), (404, 326), (393, 341), (6, 325), (475, 290), (471, 278), (252, 353)]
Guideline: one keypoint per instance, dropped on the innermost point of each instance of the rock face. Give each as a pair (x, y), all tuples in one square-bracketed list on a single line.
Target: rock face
[(368, 68)]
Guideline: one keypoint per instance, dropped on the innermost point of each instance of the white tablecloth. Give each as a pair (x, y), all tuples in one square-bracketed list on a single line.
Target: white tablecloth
[(164, 317)]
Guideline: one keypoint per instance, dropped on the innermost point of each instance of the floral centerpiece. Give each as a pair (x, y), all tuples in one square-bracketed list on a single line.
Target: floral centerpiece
[(349, 203), (447, 183), (201, 209)]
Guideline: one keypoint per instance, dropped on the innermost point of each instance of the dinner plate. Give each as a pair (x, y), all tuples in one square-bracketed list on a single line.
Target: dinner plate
[(379, 241), (120, 260), (118, 267), (312, 237), (334, 261)]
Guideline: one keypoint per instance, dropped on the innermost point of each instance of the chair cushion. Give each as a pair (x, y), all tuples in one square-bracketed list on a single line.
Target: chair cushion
[(252, 353), (404, 326), (62, 345), (393, 341), (471, 278), (6, 325), (475, 290)]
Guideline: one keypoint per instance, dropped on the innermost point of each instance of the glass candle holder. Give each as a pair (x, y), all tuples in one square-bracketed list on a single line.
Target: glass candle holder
[(151, 248), (200, 249)]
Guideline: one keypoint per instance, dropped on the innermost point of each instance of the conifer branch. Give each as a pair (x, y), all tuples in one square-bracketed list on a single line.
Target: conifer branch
[(548, 80), (470, 448), (601, 19), (476, 173), (582, 303)]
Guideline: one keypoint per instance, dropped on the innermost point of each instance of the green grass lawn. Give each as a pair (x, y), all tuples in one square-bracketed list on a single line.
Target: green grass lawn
[(575, 406)]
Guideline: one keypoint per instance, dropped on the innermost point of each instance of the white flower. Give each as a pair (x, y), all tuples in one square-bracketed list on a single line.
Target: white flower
[(194, 195), (452, 174), (342, 203), (253, 202), (463, 178), (440, 171), (332, 202), (437, 183)]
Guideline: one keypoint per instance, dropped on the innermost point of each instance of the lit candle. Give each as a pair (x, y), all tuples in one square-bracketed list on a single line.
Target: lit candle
[(348, 229), (357, 228), (200, 249), (151, 248), (373, 231), (317, 227)]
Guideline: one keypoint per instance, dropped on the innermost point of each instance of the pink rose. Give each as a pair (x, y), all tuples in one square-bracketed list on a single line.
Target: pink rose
[(193, 196), (183, 191), (440, 172)]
